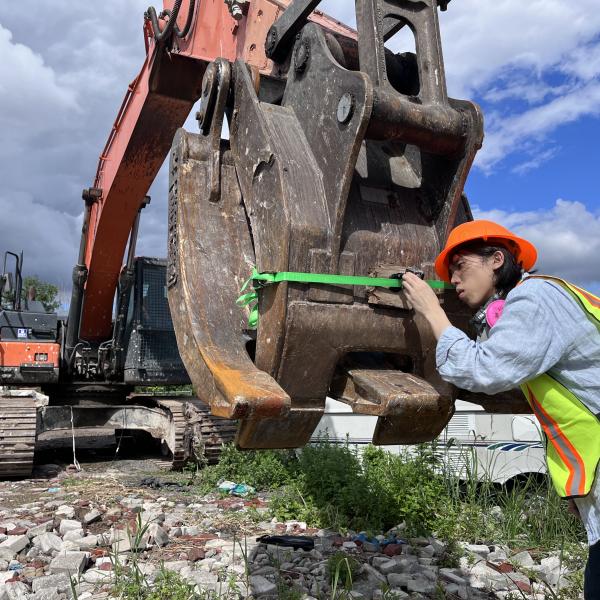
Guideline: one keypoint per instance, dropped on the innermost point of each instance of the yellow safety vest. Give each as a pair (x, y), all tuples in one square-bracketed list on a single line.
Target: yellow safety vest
[(572, 431)]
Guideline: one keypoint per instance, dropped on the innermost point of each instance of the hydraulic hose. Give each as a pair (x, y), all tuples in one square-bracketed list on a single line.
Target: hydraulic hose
[(162, 36), (188, 24)]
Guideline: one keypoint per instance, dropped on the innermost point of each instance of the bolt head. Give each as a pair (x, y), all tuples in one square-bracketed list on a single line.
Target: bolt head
[(271, 41), (345, 109), (301, 56)]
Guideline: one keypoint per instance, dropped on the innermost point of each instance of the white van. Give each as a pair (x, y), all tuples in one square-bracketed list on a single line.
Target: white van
[(493, 447)]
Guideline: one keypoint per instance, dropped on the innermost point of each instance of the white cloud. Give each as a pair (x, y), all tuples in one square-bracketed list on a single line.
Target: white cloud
[(482, 39), (541, 53), (529, 90), (48, 237), (517, 131), (584, 62), (539, 159), (567, 238), (29, 89), (64, 70)]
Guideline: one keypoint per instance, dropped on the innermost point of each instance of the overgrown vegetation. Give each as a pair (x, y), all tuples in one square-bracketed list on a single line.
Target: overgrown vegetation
[(263, 470), (336, 486)]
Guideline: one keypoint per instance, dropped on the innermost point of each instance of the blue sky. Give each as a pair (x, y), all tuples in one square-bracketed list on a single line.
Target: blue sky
[(533, 66), (570, 172)]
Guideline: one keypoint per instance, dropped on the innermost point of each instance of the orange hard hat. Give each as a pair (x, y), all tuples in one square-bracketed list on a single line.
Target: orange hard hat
[(486, 231)]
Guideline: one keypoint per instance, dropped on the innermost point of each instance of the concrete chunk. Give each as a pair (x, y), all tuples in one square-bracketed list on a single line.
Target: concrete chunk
[(156, 535), (390, 566), (13, 545), (75, 535), (47, 542), (98, 576), (379, 560), (89, 541), (479, 549), (33, 532), (71, 563), (60, 581), (452, 577), (47, 595), (15, 591), (67, 525), (262, 587), (92, 517), (65, 512), (399, 580), (421, 586), (522, 559)]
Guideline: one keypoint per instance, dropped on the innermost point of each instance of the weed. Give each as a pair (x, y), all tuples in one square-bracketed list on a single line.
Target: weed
[(451, 555), (170, 585), (343, 570), (70, 482), (267, 469)]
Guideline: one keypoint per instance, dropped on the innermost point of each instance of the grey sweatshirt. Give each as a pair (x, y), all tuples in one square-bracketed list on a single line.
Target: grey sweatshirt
[(542, 329)]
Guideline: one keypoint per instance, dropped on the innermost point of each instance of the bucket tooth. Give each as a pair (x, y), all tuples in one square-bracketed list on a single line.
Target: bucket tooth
[(292, 432), (410, 409)]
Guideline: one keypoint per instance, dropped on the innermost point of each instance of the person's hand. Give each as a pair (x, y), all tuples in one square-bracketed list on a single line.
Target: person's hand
[(573, 508), (420, 296), (423, 300)]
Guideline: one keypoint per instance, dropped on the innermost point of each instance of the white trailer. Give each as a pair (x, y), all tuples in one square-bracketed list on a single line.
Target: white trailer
[(493, 447)]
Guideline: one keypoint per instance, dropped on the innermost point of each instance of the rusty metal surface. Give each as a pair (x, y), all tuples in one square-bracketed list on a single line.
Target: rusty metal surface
[(506, 403), (402, 401), (165, 95), (210, 255), (350, 172)]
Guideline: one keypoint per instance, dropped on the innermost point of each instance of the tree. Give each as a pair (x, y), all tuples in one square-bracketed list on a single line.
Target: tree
[(46, 293)]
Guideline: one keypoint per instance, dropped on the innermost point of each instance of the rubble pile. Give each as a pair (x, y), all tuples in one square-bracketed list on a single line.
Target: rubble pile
[(65, 543)]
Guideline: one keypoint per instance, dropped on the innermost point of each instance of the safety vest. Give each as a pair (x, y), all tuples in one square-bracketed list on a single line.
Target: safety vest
[(572, 431)]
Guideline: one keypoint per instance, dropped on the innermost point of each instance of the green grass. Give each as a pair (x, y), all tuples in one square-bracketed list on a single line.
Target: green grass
[(335, 486)]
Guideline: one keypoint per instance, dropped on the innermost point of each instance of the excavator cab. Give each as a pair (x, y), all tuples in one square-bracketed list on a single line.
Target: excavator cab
[(29, 336), (347, 160)]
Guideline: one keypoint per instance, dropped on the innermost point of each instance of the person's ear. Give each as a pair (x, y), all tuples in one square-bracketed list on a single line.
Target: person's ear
[(497, 260)]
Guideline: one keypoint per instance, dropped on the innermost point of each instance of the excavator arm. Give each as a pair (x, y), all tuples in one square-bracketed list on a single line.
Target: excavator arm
[(180, 42), (343, 159)]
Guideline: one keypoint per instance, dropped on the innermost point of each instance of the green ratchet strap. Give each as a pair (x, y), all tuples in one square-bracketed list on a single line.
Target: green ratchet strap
[(259, 280)]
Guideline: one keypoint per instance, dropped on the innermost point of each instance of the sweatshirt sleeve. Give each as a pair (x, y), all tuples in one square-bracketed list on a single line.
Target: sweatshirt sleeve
[(528, 340)]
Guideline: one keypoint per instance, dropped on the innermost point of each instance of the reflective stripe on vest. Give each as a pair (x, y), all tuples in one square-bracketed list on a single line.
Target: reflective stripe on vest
[(572, 431)]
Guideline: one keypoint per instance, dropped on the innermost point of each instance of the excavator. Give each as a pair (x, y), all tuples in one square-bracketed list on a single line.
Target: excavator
[(344, 168)]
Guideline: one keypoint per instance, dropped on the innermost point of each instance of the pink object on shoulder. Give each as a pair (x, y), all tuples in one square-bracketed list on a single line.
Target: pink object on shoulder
[(494, 311)]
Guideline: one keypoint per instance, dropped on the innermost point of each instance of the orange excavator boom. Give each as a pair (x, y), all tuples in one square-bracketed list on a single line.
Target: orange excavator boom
[(156, 104)]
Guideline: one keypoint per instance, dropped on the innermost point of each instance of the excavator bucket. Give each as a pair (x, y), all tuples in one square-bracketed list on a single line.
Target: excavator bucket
[(334, 166)]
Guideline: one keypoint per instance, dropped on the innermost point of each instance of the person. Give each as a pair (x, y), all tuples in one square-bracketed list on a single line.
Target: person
[(539, 333)]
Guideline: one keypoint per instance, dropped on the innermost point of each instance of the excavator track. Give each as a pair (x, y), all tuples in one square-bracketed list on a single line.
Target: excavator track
[(214, 432), (18, 423), (196, 434)]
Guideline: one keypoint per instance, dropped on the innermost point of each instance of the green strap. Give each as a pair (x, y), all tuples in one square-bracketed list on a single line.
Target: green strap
[(250, 299)]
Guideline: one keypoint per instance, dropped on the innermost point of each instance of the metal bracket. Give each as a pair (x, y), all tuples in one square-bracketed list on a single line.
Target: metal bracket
[(215, 91), (91, 195), (283, 32)]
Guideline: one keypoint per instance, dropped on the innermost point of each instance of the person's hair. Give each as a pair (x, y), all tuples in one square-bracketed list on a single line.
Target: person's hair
[(508, 275)]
